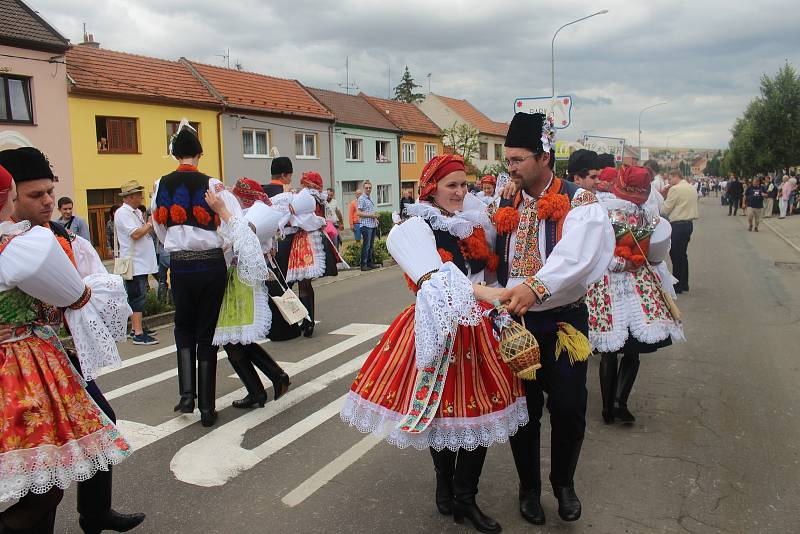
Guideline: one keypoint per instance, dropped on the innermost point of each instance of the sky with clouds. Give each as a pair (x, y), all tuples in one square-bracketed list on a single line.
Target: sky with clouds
[(704, 57)]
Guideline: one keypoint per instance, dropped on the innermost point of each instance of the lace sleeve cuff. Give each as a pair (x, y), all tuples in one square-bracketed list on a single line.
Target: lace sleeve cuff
[(99, 323), (444, 301), (250, 264)]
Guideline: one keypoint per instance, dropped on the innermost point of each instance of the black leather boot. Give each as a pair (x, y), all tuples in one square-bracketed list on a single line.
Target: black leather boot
[(465, 486), (444, 463), (187, 382), (262, 360), (94, 506), (565, 461), (608, 385), (207, 374), (249, 377), (308, 325), (628, 369), (525, 448)]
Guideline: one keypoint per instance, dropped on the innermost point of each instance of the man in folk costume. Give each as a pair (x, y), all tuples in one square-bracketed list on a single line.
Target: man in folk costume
[(188, 228), (34, 203), (553, 241)]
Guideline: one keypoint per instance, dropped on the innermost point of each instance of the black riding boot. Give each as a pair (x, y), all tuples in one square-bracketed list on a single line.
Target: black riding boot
[(308, 326), (187, 382), (262, 360), (562, 477), (444, 463), (465, 486), (608, 384), (94, 506), (525, 448), (628, 369), (249, 377), (207, 374)]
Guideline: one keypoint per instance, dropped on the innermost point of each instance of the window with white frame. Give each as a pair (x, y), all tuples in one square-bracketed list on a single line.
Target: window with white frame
[(409, 152), (382, 151), (353, 149), (255, 143), (384, 194), (430, 152), (305, 145)]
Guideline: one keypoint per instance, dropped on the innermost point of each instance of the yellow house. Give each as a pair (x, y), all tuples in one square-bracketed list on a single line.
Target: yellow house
[(420, 139), (123, 109)]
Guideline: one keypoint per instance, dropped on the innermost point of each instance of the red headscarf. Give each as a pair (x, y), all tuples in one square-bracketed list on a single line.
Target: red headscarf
[(312, 179), (249, 191), (5, 185), (606, 177), (436, 169), (632, 184), (489, 179)]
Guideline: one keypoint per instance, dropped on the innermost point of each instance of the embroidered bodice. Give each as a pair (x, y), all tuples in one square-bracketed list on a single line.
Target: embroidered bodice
[(17, 308), (181, 201)]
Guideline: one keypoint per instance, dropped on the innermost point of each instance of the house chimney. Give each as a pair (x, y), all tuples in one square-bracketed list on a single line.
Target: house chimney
[(88, 40)]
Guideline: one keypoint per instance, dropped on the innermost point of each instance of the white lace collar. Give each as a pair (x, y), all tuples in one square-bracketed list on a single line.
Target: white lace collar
[(460, 225)]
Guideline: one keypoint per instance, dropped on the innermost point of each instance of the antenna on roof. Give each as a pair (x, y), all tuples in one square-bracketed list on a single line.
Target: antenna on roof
[(226, 56), (238, 65), (347, 85)]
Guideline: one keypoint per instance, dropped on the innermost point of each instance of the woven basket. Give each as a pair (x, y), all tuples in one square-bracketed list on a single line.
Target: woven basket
[(520, 350)]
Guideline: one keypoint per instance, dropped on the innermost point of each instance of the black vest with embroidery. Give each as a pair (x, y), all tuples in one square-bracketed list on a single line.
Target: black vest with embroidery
[(181, 194), (550, 233)]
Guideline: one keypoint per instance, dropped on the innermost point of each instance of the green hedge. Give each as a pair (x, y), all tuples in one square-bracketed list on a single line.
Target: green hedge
[(385, 222), (352, 252)]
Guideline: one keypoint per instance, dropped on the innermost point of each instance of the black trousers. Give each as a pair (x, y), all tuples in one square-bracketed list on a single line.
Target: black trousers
[(681, 233), (565, 385), (733, 205), (198, 288)]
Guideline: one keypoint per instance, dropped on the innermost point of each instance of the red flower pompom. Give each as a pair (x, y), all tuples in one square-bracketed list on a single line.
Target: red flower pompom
[(445, 255), (201, 215), (177, 214), (506, 220), (553, 206), (492, 262), (161, 215), (475, 246)]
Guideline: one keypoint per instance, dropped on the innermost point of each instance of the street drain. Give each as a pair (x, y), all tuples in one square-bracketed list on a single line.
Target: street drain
[(787, 265)]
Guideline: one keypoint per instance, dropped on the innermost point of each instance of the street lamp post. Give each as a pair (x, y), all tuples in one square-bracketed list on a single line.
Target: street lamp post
[(640, 124), (553, 45)]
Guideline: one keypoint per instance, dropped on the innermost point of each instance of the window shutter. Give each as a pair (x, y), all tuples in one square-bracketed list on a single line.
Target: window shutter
[(129, 135), (114, 131)]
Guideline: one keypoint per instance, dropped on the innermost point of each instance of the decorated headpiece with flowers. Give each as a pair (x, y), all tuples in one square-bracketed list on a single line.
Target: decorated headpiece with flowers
[(436, 169), (534, 131), (312, 180), (249, 192)]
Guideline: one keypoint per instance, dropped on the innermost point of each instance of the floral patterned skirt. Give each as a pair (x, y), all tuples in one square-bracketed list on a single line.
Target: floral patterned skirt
[(51, 431), (312, 256), (482, 402)]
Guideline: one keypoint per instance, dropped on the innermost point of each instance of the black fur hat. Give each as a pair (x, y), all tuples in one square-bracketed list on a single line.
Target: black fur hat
[(581, 161), (26, 164), (185, 144), (281, 165)]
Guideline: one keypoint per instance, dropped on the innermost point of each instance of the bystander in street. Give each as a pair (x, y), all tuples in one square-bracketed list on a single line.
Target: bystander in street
[(754, 201), (70, 221), (734, 195), (353, 218), (334, 215), (772, 194), (369, 225), (680, 207)]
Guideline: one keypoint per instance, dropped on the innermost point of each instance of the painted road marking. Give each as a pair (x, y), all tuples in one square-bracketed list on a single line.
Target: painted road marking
[(218, 456), (327, 473), (361, 332)]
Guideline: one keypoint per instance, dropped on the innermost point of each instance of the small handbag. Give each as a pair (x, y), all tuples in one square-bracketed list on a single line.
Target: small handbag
[(288, 304), (122, 266)]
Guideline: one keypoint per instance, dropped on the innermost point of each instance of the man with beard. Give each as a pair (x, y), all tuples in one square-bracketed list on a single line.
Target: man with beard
[(553, 240)]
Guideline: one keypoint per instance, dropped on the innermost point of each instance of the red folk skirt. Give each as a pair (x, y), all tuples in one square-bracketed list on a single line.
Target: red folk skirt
[(482, 402), (51, 431)]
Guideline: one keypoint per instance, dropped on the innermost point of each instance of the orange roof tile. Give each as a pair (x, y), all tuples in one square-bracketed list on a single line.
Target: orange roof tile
[(352, 109), (24, 28), (407, 117), (477, 119), (119, 73), (248, 90)]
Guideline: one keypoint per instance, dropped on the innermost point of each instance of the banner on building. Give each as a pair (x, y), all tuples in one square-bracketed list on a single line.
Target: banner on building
[(559, 108)]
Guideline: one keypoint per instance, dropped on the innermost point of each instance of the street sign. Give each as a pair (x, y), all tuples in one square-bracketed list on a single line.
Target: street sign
[(560, 110), (605, 145)]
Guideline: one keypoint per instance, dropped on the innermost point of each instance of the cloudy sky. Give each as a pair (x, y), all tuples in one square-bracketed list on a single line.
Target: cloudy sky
[(704, 57)]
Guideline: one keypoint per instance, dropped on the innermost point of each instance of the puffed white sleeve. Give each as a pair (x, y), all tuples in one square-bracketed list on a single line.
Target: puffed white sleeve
[(86, 257), (250, 264), (445, 297), (97, 308), (579, 259), (660, 241)]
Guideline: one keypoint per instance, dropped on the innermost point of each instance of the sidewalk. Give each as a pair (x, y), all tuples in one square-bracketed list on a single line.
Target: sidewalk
[(787, 229)]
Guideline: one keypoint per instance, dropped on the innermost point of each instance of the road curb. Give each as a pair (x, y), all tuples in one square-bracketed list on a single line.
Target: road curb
[(782, 236)]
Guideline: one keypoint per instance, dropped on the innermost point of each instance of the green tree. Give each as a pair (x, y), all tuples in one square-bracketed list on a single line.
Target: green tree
[(463, 139), (404, 92)]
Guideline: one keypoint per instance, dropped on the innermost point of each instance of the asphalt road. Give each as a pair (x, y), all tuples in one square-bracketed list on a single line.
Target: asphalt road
[(714, 448)]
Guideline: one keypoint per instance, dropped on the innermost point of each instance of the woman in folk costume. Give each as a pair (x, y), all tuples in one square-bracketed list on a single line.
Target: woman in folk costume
[(245, 317), (628, 313), (312, 254), (52, 433), (188, 228), (436, 380), (487, 184)]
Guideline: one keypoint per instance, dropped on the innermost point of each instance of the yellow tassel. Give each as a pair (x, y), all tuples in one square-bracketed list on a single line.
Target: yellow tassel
[(573, 342)]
